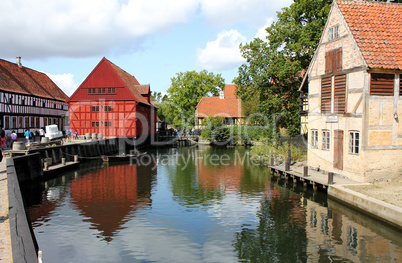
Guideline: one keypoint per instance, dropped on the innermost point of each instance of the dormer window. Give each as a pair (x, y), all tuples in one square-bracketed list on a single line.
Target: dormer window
[(333, 32)]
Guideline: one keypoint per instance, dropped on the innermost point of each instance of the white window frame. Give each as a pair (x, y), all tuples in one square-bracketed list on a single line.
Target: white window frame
[(326, 140), (314, 139), (333, 32), (354, 142)]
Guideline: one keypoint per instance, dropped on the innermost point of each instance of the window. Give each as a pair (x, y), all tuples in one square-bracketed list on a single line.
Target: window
[(7, 123), (333, 61), (113, 90), (32, 122), (103, 90), (14, 122), (26, 122), (108, 123), (93, 90), (354, 142), (89, 91), (326, 95), (340, 94), (382, 84), (400, 85), (20, 122), (37, 122), (99, 90), (109, 90), (314, 139), (325, 140), (108, 108), (95, 124), (95, 108), (333, 32)]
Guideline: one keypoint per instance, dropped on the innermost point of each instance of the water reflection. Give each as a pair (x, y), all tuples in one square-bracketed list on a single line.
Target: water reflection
[(184, 205), (111, 195)]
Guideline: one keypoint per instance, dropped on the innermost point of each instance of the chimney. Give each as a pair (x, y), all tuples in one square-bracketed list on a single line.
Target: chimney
[(221, 95), (19, 61)]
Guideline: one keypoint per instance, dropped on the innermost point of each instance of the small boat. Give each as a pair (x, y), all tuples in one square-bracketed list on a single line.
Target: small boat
[(121, 157)]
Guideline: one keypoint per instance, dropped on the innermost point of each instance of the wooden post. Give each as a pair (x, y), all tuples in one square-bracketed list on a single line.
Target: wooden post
[(272, 161), (305, 171), (330, 178), (287, 166)]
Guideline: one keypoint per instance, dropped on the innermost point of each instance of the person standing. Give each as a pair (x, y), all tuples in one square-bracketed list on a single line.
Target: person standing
[(75, 135), (13, 138), (28, 136), (68, 133), (3, 141)]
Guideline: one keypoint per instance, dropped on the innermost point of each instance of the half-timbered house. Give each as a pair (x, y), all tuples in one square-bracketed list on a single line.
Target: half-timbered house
[(355, 92), (226, 105), (112, 102), (29, 99)]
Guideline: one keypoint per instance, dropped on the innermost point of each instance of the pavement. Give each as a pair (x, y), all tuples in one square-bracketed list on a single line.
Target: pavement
[(5, 239)]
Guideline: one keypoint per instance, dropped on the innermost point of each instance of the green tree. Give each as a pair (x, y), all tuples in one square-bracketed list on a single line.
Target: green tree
[(273, 72), (186, 91), (158, 98)]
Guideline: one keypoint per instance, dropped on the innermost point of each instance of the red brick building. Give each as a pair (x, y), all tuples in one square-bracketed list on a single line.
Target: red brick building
[(112, 102)]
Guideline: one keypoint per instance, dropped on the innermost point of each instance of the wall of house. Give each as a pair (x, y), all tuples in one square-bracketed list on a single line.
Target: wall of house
[(373, 116), (121, 121)]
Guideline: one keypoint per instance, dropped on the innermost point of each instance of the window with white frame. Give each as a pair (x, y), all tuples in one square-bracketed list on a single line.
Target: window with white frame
[(354, 142), (326, 140), (314, 139), (333, 32)]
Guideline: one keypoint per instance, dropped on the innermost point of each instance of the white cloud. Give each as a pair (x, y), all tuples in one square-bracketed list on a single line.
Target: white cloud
[(86, 28), (77, 28), (65, 82), (223, 53), (262, 34)]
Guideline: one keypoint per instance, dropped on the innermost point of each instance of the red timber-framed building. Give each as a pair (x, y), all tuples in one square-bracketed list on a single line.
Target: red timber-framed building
[(29, 99), (112, 102)]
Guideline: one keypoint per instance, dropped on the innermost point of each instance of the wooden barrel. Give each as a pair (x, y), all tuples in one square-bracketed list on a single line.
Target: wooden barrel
[(87, 136), (18, 146), (93, 136)]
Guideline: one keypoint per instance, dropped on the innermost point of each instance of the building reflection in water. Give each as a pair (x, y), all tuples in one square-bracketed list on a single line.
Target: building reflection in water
[(110, 196)]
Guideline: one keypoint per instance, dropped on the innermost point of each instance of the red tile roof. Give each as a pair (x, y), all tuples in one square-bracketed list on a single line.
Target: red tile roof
[(143, 89), (377, 30), (230, 106), (131, 82), (28, 82)]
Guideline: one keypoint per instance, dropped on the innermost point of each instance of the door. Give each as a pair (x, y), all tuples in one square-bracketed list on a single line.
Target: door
[(338, 149)]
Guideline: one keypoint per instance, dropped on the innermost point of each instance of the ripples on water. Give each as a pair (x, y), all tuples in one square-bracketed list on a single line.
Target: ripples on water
[(182, 207)]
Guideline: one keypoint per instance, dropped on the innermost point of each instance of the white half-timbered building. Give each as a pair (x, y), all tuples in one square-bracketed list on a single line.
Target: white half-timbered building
[(29, 99)]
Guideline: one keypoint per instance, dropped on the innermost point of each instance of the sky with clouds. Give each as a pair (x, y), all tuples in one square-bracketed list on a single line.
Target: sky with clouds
[(150, 39)]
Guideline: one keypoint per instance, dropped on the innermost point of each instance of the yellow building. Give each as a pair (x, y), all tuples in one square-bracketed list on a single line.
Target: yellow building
[(355, 92)]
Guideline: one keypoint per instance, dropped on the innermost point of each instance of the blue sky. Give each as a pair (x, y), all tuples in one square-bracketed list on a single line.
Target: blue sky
[(150, 39)]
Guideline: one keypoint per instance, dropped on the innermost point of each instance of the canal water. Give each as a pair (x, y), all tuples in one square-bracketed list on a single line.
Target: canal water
[(197, 204)]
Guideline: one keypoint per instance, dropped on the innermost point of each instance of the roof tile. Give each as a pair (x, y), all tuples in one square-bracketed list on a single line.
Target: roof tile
[(376, 28), (230, 106), (28, 81)]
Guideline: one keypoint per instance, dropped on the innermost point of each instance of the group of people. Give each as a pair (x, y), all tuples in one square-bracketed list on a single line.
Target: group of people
[(31, 135)]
